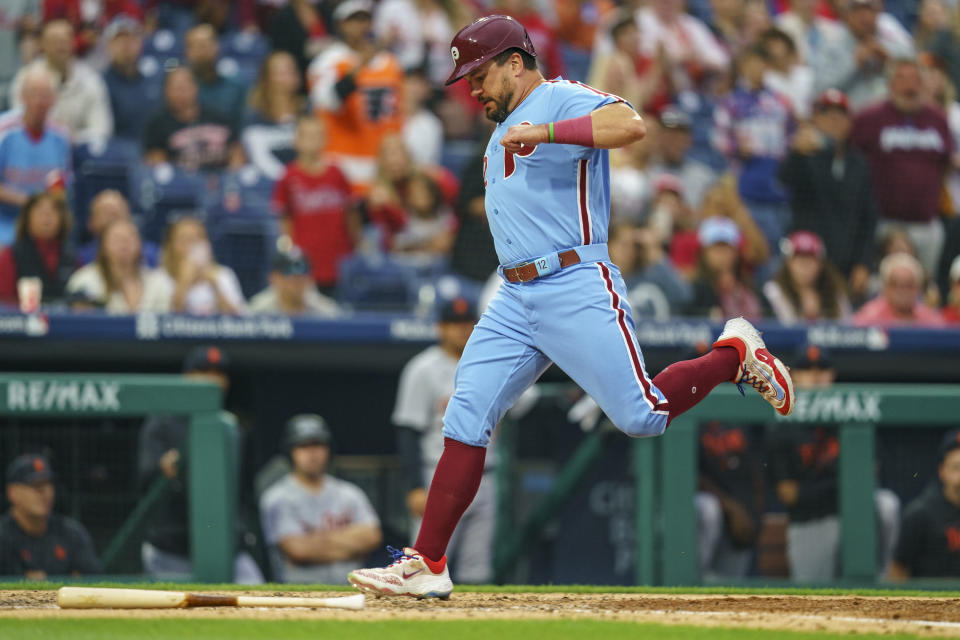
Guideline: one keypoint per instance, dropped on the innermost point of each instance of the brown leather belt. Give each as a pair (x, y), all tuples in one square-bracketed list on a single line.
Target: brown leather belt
[(528, 271)]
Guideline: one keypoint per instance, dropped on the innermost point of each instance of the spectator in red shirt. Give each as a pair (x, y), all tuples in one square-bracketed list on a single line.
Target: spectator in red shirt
[(40, 249), (899, 299), (908, 147), (313, 196), (951, 312)]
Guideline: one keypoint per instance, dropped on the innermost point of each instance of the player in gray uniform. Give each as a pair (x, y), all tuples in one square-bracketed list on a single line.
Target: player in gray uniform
[(317, 527), (426, 385)]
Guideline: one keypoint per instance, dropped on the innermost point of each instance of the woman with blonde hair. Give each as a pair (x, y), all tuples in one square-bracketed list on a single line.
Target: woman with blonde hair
[(117, 279), (199, 285), (274, 105)]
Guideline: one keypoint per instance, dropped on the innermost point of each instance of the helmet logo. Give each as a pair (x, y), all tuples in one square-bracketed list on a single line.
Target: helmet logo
[(455, 53)]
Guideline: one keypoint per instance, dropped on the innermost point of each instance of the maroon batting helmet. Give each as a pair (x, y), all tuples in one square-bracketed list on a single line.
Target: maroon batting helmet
[(482, 40)]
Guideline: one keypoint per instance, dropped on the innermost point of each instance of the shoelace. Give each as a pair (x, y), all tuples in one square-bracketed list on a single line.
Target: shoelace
[(398, 555), (755, 381)]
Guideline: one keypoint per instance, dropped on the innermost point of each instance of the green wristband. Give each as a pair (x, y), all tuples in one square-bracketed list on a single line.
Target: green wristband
[(550, 131)]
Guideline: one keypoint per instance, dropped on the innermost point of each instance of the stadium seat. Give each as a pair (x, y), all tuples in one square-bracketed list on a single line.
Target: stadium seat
[(246, 187), (381, 282), (112, 165), (167, 192), (165, 47), (244, 240), (244, 46)]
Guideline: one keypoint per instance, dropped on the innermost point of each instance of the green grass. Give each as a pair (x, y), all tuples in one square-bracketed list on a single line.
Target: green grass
[(710, 590), (97, 629)]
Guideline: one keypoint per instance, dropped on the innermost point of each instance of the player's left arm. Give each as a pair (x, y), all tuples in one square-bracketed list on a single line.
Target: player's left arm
[(613, 125)]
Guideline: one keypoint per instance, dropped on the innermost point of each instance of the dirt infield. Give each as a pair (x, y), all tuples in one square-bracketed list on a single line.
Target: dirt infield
[(926, 617)]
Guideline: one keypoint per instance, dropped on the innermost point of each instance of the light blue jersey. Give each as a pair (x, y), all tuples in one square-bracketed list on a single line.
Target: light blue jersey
[(554, 196)]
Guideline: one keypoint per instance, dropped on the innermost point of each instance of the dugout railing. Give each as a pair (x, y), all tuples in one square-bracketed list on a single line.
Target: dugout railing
[(665, 471), (212, 456), (857, 410)]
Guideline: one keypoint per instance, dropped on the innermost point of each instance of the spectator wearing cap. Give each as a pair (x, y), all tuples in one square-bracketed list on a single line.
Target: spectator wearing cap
[(214, 91), (909, 147), (951, 311), (929, 544), (720, 289), (35, 542), (131, 93), (318, 527), (160, 453), (806, 287), (753, 129), (803, 466), (655, 288), (426, 385), (82, 104), (899, 301), (674, 141), (855, 60), (830, 188), (292, 291), (313, 198), (356, 88), (32, 151)]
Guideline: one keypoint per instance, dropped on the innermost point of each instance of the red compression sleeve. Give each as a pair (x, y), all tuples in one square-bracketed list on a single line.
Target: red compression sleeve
[(572, 131), (454, 485), (687, 383)]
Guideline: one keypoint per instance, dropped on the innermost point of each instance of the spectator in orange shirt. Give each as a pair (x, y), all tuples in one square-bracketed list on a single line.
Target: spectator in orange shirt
[(356, 88), (313, 196)]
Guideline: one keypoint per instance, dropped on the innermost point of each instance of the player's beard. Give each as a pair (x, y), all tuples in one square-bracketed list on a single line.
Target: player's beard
[(501, 109)]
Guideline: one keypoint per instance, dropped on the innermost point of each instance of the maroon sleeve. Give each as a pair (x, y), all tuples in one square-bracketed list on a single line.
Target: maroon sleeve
[(8, 277)]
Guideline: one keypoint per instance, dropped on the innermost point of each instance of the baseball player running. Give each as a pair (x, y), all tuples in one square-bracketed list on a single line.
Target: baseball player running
[(547, 199)]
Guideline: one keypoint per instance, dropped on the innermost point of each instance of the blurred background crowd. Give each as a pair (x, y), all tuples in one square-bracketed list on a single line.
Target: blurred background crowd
[(304, 157)]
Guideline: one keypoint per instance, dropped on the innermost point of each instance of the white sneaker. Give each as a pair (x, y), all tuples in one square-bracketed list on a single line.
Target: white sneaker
[(758, 367), (410, 574)]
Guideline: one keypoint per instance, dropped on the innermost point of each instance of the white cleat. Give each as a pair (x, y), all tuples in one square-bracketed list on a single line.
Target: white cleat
[(758, 367), (408, 575)]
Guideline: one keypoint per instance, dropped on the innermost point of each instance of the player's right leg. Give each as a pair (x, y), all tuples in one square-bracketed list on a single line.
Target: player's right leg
[(758, 367), (498, 364)]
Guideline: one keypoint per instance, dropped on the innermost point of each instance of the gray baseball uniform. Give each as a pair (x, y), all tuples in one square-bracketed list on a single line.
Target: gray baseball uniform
[(426, 385), (289, 509)]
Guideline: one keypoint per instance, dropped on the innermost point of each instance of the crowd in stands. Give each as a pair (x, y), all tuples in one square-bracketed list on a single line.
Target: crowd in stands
[(801, 162)]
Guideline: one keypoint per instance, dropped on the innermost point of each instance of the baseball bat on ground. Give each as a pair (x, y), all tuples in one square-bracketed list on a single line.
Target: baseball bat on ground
[(98, 598)]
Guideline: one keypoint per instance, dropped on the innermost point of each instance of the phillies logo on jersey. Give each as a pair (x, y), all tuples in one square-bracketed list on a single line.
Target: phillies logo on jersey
[(509, 162)]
